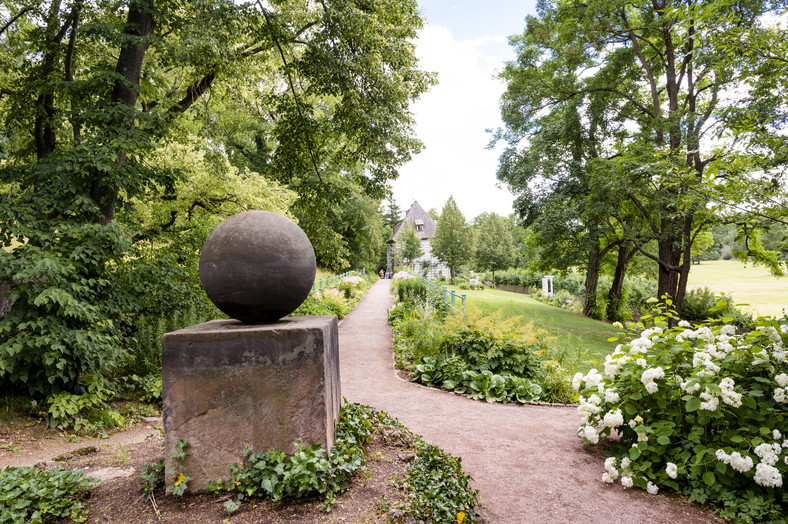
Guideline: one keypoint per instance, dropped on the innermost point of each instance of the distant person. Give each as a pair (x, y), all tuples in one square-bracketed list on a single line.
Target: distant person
[(382, 273)]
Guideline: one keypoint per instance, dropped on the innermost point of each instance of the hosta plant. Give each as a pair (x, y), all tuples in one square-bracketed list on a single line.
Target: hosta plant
[(701, 409)]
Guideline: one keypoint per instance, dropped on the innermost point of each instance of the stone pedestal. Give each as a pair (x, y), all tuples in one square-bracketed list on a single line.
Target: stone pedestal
[(227, 385)]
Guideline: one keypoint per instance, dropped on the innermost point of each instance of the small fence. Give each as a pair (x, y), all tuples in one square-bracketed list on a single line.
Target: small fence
[(332, 281), (449, 297)]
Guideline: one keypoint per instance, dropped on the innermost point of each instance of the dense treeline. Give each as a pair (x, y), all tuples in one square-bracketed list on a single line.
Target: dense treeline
[(131, 127)]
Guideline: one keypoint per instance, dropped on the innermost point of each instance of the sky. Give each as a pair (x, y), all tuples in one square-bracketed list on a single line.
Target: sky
[(466, 43)]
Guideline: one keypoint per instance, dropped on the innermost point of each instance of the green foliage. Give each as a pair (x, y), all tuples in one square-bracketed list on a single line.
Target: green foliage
[(700, 410), (453, 240), (702, 304), (180, 479), (454, 374), (416, 335), (152, 477), (438, 489), (115, 169), (408, 246), (87, 411), (31, 495), (338, 301), (410, 290), (491, 343), (494, 244), (148, 386), (61, 325)]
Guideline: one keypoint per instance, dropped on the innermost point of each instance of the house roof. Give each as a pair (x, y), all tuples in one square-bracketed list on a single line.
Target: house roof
[(416, 216)]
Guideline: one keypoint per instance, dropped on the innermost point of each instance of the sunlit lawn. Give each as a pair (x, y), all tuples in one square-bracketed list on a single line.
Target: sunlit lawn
[(590, 336), (764, 293)]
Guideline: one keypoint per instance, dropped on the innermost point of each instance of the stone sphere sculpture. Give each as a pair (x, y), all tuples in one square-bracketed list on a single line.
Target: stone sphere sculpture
[(257, 266)]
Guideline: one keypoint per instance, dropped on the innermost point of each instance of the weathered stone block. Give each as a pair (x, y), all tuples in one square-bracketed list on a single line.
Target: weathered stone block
[(227, 385)]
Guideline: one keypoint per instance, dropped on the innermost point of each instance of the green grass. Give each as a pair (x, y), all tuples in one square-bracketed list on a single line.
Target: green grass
[(573, 331), (763, 293)]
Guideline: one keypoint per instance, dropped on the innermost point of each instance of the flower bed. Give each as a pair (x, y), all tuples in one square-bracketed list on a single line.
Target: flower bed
[(699, 409), (484, 357), (338, 300)]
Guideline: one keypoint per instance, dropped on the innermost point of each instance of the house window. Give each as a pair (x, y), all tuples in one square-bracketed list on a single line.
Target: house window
[(419, 228)]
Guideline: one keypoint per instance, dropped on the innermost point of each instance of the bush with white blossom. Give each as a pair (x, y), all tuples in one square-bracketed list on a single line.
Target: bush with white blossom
[(699, 409)]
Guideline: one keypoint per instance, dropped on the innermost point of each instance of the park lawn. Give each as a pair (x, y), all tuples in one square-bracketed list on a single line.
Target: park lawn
[(587, 336), (763, 293)]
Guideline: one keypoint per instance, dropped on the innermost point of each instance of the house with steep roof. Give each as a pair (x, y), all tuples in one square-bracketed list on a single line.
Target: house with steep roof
[(424, 227)]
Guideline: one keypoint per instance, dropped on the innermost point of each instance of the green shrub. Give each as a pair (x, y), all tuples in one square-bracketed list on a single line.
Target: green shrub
[(87, 411), (455, 374), (702, 304), (490, 342), (411, 290), (703, 411), (416, 336), (33, 495)]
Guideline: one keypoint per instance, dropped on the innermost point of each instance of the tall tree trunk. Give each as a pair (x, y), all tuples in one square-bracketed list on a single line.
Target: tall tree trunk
[(140, 25), (625, 256), (592, 279), (686, 265)]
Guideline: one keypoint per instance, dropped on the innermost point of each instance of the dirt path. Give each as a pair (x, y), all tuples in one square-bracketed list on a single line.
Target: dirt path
[(38, 448), (527, 461)]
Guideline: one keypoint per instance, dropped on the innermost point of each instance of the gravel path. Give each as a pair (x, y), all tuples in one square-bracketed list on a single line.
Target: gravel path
[(527, 461)]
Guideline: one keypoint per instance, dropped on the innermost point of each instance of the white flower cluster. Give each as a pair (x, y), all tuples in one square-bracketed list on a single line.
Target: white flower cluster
[(671, 470), (729, 395), (590, 434), (710, 402), (766, 474), (613, 419), (781, 393), (768, 453), (592, 379), (735, 460), (611, 473), (614, 362), (703, 359), (778, 352), (611, 396), (687, 388), (649, 377)]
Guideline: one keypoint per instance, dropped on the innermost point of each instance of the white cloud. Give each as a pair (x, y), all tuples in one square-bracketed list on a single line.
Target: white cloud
[(451, 121)]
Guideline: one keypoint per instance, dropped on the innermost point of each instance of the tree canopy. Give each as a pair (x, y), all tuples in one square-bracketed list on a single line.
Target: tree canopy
[(494, 245), (453, 240), (132, 127), (652, 103)]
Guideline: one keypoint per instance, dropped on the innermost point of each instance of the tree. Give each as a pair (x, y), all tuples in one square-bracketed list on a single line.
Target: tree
[(393, 212), (408, 244), (308, 101), (362, 229), (494, 246), (453, 240), (661, 75)]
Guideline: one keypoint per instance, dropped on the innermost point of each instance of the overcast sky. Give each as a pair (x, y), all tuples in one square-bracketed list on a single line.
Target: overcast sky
[(465, 43)]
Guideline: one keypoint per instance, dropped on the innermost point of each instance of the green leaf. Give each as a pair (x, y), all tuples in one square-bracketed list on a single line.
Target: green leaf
[(693, 404), (663, 440), (709, 478)]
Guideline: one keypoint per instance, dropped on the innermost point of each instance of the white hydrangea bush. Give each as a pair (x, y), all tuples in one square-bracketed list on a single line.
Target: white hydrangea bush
[(701, 409)]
